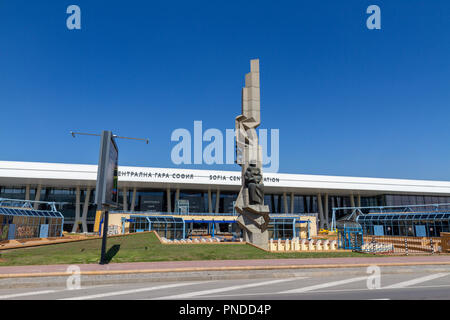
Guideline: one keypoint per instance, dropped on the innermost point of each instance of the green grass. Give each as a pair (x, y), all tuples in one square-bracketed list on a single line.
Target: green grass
[(144, 247)]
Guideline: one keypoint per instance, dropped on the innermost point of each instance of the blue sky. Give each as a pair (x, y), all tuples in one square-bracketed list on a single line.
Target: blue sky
[(347, 100)]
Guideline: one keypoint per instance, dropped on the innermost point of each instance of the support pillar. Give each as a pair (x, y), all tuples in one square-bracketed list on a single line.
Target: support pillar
[(133, 200), (125, 200), (209, 201), (85, 210), (37, 197), (77, 210), (359, 200), (177, 197), (292, 202), (217, 200), (319, 204), (285, 203), (169, 200), (27, 192), (325, 209), (352, 200)]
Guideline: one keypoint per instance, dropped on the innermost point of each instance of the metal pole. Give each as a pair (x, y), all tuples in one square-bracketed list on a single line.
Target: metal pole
[(104, 237), (99, 135), (406, 246), (101, 178), (432, 246)]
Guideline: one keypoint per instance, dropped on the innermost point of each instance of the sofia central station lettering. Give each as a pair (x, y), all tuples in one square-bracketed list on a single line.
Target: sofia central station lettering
[(162, 175)]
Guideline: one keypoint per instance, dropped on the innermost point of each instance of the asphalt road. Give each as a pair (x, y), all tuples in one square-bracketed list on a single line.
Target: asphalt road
[(420, 284)]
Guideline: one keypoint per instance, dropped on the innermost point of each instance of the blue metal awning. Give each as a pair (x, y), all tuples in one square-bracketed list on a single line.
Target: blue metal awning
[(30, 213)]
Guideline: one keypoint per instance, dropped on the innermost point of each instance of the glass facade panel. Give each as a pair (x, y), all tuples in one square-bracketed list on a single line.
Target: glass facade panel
[(167, 227), (405, 224), (281, 228), (226, 201)]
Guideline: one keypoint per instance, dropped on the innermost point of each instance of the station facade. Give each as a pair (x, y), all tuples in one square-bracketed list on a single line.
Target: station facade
[(169, 191)]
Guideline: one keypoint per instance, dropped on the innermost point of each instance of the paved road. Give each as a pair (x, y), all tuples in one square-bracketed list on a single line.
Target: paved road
[(221, 264), (420, 284)]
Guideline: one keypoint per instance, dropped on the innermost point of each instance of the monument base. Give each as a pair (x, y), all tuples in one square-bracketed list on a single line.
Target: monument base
[(259, 239), (254, 229)]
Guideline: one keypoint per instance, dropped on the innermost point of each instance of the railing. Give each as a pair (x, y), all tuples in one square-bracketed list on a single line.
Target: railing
[(445, 242), (229, 214), (356, 239), (387, 209), (353, 238), (25, 204), (175, 213), (401, 245)]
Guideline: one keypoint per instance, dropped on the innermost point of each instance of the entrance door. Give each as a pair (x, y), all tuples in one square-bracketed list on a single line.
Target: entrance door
[(420, 231)]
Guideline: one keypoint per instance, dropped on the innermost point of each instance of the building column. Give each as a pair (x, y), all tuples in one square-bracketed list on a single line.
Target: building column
[(125, 200), (27, 192), (209, 201), (292, 202), (177, 197), (285, 203), (325, 209), (217, 200), (169, 200), (77, 210), (133, 200), (37, 197), (85, 210), (319, 205), (352, 200), (359, 200)]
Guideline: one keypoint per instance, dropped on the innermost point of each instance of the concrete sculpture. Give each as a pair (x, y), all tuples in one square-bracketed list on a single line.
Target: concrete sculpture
[(254, 215)]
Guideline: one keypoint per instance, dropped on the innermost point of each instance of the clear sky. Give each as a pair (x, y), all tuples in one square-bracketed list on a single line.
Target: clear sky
[(347, 100)]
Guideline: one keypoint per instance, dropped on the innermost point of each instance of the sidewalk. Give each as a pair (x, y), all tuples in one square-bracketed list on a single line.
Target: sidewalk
[(221, 265)]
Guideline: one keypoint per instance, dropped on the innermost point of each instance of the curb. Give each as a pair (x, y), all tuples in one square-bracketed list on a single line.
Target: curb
[(239, 268)]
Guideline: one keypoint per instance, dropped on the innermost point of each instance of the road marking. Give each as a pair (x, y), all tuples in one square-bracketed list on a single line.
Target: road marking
[(320, 291), (212, 291), (125, 292), (24, 294), (416, 281), (324, 285), (15, 295)]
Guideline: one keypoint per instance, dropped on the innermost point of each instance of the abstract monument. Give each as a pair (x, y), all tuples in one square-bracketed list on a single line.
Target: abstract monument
[(253, 214)]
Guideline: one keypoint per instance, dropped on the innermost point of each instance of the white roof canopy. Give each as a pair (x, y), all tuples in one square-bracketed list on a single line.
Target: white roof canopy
[(14, 173)]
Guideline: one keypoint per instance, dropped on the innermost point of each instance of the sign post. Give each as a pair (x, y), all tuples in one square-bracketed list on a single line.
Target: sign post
[(107, 191), (106, 195)]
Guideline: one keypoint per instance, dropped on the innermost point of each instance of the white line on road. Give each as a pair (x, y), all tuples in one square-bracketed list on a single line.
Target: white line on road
[(324, 285), (24, 294), (416, 281), (320, 291), (32, 293), (212, 291), (125, 292)]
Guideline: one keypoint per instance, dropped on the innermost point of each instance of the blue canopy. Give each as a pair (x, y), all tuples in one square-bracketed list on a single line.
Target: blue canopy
[(29, 213)]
